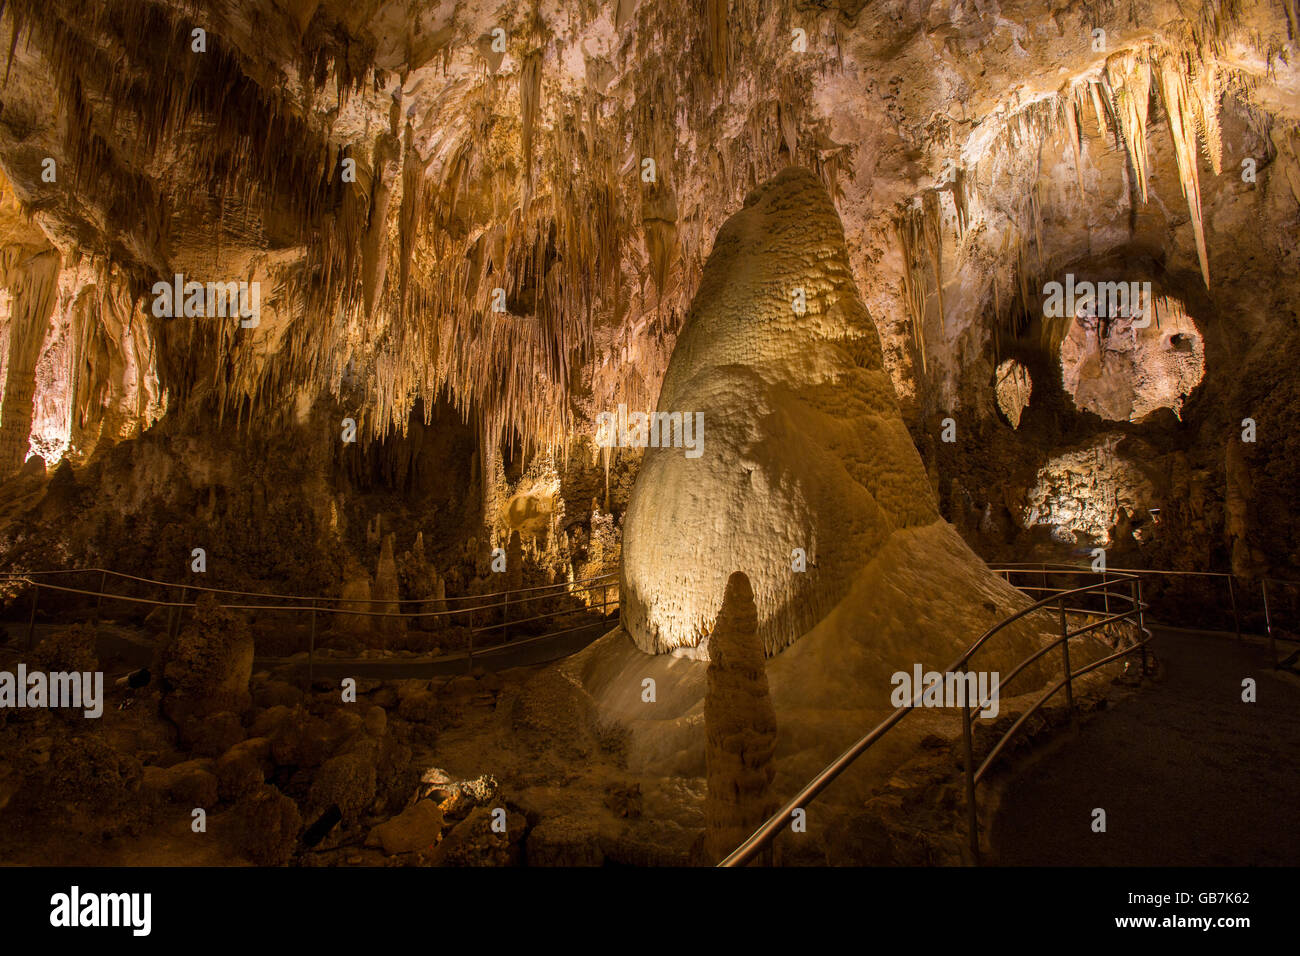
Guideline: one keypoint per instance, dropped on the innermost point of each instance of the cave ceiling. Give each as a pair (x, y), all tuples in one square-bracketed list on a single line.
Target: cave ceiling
[(509, 205)]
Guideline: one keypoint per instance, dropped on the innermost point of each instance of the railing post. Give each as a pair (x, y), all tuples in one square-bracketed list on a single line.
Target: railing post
[(174, 627), (31, 620), (1268, 623), (1136, 590), (471, 638), (103, 583), (172, 611), (1236, 618), (311, 649), (1105, 591), (1065, 654), (505, 618), (972, 817)]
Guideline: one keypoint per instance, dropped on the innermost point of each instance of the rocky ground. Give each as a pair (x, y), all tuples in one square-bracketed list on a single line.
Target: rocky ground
[(517, 768), (478, 769)]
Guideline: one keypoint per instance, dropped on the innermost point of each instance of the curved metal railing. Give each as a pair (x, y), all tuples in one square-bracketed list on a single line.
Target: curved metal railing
[(1229, 579), (765, 834)]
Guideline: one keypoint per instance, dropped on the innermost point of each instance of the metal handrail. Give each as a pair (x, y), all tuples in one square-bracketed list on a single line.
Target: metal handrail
[(1023, 566), (1011, 731), (294, 597), (404, 615), (1045, 567), (767, 832), (484, 603)]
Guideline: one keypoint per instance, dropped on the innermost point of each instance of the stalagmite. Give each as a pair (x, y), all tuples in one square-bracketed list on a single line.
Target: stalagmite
[(385, 594), (805, 455), (355, 597), (740, 724)]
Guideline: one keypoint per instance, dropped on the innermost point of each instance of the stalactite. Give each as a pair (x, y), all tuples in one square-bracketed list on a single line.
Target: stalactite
[(1098, 109), (1205, 103), (530, 99), (507, 198), (32, 280), (934, 246), (1129, 77), (414, 197), (1076, 147), (374, 242), (920, 236), (1179, 107), (718, 37)]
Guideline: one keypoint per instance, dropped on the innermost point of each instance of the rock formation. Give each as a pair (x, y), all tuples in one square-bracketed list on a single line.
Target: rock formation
[(384, 595), (355, 596), (206, 669), (1124, 371), (740, 725), (1239, 508), (803, 448)]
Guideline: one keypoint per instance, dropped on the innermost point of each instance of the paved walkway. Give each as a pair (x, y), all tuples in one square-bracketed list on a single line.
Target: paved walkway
[(1187, 773)]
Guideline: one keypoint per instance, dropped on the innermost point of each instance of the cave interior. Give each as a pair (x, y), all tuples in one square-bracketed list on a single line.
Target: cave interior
[(541, 433)]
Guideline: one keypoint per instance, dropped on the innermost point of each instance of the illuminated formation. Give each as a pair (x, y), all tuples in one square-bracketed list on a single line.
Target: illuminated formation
[(806, 467)]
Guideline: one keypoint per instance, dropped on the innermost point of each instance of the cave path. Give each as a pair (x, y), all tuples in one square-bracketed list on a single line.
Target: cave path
[(1187, 773)]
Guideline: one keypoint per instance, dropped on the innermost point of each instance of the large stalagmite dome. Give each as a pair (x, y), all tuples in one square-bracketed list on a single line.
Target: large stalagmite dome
[(802, 451)]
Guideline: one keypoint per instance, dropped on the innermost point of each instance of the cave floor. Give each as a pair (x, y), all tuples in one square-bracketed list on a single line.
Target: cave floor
[(1188, 774)]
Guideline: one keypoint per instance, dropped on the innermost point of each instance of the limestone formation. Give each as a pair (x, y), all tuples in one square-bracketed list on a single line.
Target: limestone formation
[(206, 669), (416, 829), (71, 649), (740, 724), (1013, 387), (266, 826), (32, 285), (803, 448), (384, 595), (1124, 371), (347, 782), (355, 594), (1239, 508)]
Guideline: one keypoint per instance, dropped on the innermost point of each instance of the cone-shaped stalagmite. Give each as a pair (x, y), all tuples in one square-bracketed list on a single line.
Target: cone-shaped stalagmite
[(740, 723), (384, 599), (798, 441)]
